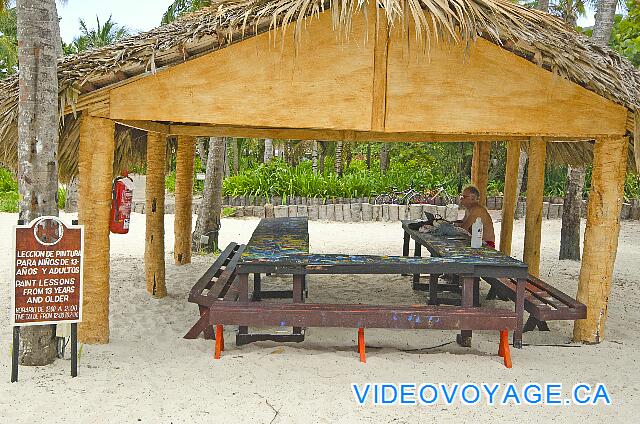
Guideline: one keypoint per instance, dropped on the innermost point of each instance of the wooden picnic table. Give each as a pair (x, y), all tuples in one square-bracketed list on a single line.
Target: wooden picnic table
[(458, 248), (281, 246)]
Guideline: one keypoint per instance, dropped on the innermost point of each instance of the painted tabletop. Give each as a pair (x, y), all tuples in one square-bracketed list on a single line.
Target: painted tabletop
[(274, 238), (459, 247), (282, 245)]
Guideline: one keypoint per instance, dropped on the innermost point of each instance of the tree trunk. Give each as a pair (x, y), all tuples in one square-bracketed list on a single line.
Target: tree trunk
[(480, 168), (314, 156), (235, 154), (543, 5), (384, 158), (338, 162), (202, 151), (154, 263), (37, 141), (184, 200), (226, 163), (71, 201), (604, 19), (535, 192), (570, 232), (522, 163), (369, 156), (268, 150), (323, 154), (601, 236), (95, 175), (510, 198), (348, 155), (208, 222)]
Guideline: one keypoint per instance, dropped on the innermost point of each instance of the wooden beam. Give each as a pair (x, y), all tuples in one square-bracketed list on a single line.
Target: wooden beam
[(206, 130), (480, 168), (154, 242), (535, 193), (149, 126), (509, 201), (381, 50), (601, 236), (184, 199), (95, 168), (320, 134)]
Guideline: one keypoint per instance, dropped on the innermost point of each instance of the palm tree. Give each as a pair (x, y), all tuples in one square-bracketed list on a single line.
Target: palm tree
[(37, 139), (8, 39), (338, 161), (102, 35), (268, 150), (208, 222), (180, 7), (604, 19)]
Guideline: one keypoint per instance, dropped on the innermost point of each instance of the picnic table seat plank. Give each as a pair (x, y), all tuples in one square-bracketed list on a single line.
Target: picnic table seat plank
[(208, 278), (361, 316), (543, 301), (212, 286)]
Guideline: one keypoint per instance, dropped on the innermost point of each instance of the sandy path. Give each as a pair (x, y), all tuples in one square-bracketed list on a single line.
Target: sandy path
[(148, 373)]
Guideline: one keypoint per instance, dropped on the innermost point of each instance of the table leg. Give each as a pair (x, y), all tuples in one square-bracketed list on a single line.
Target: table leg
[(476, 292), (433, 289), (517, 334), (256, 287), (298, 295), (417, 253), (243, 296), (464, 338), (405, 244)]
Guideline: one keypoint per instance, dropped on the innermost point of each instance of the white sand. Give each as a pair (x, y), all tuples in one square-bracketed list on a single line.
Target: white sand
[(148, 373)]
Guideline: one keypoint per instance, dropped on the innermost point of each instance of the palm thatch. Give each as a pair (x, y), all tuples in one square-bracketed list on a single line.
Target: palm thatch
[(536, 36)]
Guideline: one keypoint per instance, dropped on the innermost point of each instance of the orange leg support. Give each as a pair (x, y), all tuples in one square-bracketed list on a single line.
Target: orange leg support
[(219, 341), (503, 349), (363, 357)]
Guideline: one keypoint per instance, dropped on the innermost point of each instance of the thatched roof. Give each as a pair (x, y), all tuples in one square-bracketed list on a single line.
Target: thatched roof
[(531, 34)]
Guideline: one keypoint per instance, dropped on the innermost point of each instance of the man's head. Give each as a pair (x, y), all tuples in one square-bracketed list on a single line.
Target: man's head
[(470, 197)]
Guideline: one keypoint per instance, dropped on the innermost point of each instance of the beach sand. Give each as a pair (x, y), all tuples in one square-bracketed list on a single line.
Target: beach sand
[(149, 373)]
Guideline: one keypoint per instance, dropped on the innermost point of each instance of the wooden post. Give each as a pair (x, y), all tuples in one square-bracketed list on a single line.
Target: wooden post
[(601, 236), (154, 243), (480, 168), (535, 193), (95, 172), (184, 199), (510, 192)]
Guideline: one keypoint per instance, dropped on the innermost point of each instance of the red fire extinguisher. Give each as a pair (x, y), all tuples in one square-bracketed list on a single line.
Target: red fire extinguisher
[(121, 202)]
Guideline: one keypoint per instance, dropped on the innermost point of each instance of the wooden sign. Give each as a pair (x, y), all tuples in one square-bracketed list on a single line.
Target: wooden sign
[(48, 273)]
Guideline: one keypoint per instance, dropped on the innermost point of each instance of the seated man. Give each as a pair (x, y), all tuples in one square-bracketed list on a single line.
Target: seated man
[(470, 200)]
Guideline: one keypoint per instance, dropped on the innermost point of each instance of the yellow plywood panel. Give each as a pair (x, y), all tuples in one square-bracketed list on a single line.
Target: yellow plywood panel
[(486, 89), (258, 82)]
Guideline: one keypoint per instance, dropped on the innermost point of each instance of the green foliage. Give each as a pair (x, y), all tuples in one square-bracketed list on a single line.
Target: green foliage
[(632, 186), (555, 181), (62, 198), (280, 179), (181, 7), (102, 35), (9, 197), (625, 37), (8, 42)]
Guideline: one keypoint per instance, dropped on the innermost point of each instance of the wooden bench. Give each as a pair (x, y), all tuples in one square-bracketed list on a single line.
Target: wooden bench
[(543, 301), (215, 285), (361, 317)]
